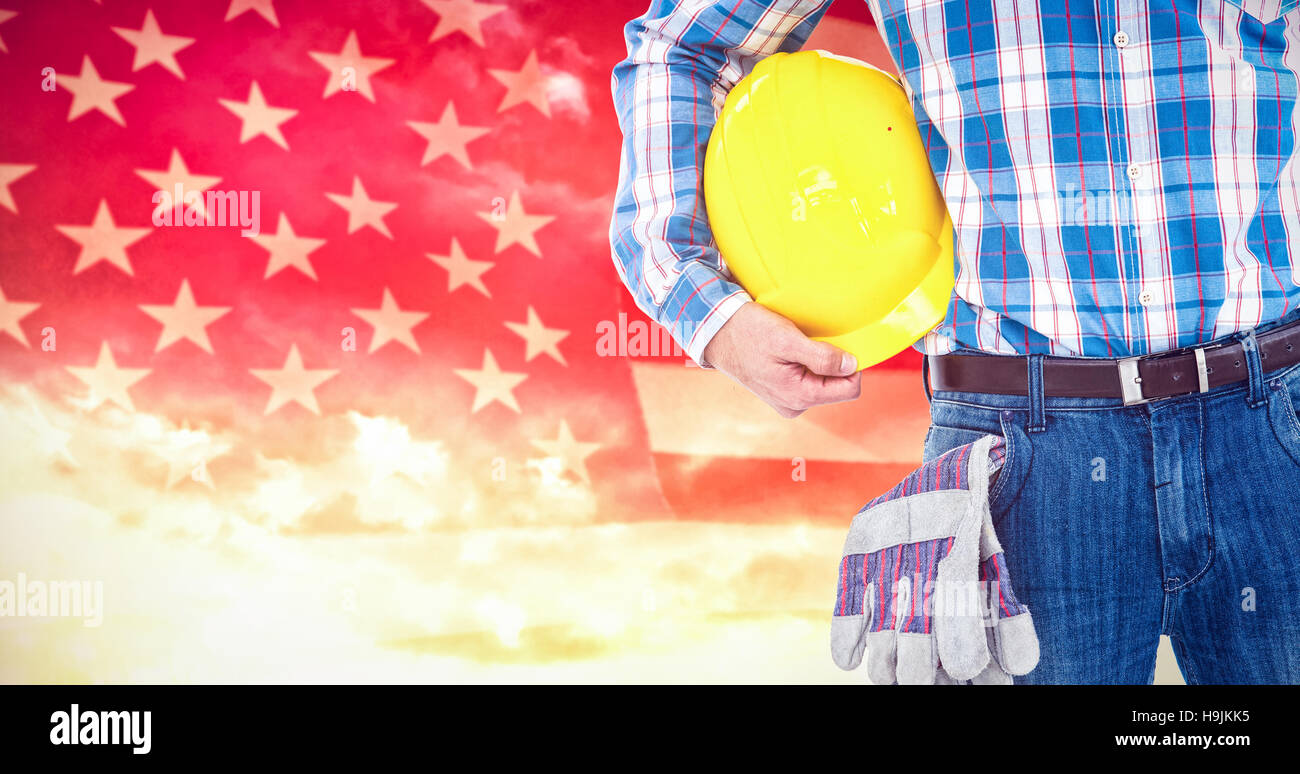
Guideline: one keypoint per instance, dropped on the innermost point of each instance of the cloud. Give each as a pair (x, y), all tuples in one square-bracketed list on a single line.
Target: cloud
[(338, 517), (372, 557)]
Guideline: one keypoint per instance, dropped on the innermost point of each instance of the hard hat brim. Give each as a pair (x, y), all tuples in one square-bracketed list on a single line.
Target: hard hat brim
[(918, 314)]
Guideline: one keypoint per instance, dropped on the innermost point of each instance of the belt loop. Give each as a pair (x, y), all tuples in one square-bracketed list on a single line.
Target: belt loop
[(1037, 416), (925, 378), (1255, 370)]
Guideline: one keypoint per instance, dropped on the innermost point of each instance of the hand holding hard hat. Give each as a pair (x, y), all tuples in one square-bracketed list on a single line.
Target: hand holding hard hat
[(824, 207)]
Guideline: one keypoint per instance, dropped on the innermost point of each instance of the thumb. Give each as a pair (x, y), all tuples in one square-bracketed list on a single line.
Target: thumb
[(824, 359), (1016, 644), (849, 624)]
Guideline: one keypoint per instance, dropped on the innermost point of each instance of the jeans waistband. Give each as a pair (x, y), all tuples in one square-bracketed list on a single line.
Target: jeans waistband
[(1037, 402)]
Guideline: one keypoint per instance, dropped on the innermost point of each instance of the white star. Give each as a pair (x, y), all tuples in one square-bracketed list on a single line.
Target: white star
[(264, 8), (491, 383), (90, 92), (362, 210), (571, 452), (107, 381), (515, 226), (151, 45), (178, 174), (51, 441), (10, 313), (527, 84), (4, 17), (293, 383), (391, 323), (8, 174), (448, 137), (287, 249), (462, 270), (103, 240), (461, 16), (257, 117), (187, 453), (538, 338), (349, 70), (184, 319)]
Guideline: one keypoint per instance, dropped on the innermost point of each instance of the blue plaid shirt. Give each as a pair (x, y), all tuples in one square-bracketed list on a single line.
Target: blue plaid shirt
[(1121, 175)]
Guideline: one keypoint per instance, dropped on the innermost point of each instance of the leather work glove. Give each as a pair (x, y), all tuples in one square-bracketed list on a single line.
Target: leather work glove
[(923, 589), (1012, 641)]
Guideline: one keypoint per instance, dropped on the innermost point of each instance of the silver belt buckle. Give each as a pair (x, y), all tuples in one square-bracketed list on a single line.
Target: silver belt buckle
[(1202, 373), (1130, 381)]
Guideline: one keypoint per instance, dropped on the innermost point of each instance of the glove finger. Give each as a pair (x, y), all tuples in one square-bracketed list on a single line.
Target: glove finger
[(1016, 645), (882, 657), (993, 674), (847, 641), (959, 631), (917, 659), (941, 677)]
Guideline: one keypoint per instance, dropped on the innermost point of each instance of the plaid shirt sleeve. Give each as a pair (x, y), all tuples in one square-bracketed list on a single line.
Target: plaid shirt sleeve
[(683, 58)]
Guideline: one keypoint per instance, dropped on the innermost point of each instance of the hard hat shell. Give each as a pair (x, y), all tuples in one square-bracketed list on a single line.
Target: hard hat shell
[(823, 204)]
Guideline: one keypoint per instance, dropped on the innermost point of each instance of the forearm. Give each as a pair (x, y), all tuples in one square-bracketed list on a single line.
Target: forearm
[(682, 60)]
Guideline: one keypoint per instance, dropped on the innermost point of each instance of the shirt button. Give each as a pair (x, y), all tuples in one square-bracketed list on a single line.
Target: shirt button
[(1134, 171), (1121, 39), (1145, 298)]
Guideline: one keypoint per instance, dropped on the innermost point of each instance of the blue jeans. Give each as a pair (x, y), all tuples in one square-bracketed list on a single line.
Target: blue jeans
[(1177, 517)]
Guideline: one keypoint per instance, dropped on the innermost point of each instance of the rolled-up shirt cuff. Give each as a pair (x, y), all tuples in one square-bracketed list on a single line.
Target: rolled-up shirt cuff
[(695, 336)]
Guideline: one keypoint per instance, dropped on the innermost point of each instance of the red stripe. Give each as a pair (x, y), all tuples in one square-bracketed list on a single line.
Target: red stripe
[(880, 585), (898, 564), (1001, 599), (865, 590), (844, 583), (961, 466), (916, 553), (929, 577)]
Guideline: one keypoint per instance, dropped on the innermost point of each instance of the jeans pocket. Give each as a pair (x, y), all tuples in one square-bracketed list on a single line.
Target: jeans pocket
[(1015, 466), (1284, 410)]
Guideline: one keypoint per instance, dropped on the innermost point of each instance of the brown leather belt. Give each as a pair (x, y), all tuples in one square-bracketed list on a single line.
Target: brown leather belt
[(1134, 379)]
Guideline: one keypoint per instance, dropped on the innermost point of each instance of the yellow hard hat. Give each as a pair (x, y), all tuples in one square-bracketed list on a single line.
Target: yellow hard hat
[(823, 204)]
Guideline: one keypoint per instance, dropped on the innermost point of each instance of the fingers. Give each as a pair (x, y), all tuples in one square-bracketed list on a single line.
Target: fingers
[(992, 675), (788, 413), (882, 657), (1016, 644), (822, 358), (917, 659), (790, 372), (808, 390), (847, 641), (959, 631), (825, 389), (916, 654)]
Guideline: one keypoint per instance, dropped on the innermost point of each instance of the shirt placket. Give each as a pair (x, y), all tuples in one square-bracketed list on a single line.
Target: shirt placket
[(1135, 168)]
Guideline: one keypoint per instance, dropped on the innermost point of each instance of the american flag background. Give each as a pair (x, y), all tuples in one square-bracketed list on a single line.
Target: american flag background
[(395, 419)]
